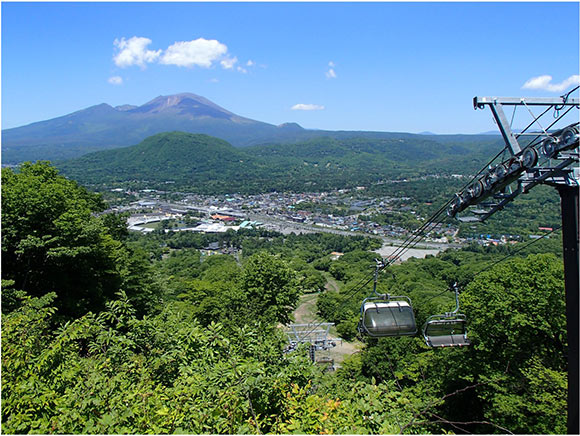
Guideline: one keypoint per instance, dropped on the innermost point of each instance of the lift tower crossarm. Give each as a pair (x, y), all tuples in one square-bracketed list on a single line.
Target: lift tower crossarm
[(480, 102), (496, 105)]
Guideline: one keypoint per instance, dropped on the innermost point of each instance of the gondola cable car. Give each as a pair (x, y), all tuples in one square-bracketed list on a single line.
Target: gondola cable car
[(448, 329), (384, 315)]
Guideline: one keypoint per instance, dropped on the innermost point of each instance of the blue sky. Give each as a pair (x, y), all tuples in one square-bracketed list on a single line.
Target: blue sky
[(340, 66)]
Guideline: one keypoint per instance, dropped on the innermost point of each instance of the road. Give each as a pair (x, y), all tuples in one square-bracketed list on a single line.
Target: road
[(286, 227)]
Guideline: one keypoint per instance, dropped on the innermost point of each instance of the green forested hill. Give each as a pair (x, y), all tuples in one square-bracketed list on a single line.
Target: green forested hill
[(208, 165), (176, 156), (205, 164)]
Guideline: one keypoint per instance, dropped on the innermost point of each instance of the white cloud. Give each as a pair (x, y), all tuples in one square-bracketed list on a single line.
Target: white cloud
[(544, 83), (115, 80), (199, 52), (228, 63), (330, 74), (307, 107), (214, 80), (133, 51)]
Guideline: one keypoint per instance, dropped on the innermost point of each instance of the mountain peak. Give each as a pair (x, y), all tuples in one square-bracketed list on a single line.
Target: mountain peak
[(97, 109), (125, 107), (177, 99), (187, 104), (290, 126)]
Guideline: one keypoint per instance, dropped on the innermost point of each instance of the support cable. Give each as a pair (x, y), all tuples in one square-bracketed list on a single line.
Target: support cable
[(536, 119), (517, 135), (533, 142), (513, 115)]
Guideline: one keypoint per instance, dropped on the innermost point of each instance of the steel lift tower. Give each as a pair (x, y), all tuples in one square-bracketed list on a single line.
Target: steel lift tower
[(547, 155), (315, 335)]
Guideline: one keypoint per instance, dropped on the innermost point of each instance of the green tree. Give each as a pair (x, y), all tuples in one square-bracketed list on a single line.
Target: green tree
[(314, 280), (518, 328), (53, 242), (270, 287)]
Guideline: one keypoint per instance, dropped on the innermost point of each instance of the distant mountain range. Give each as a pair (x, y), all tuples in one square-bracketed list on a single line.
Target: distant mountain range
[(103, 127)]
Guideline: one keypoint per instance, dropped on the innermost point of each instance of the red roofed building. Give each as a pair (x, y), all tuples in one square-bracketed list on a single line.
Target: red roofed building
[(223, 217)]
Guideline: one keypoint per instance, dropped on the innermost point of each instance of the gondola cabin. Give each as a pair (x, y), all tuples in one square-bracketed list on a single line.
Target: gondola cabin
[(387, 318), (445, 332)]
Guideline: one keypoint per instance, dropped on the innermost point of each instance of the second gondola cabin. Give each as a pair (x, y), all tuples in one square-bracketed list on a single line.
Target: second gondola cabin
[(446, 331)]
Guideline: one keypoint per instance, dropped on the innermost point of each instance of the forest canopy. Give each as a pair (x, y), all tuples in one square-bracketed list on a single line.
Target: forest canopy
[(105, 332)]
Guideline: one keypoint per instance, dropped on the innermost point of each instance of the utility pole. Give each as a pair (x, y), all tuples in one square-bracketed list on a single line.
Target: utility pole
[(493, 191)]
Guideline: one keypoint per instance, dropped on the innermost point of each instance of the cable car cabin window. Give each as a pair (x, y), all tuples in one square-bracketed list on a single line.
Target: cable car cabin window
[(446, 333), (388, 318)]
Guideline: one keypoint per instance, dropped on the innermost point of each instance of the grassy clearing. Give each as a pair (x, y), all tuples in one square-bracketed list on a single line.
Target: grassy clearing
[(306, 313), (154, 225)]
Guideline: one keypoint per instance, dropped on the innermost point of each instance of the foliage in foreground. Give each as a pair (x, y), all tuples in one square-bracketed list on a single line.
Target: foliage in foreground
[(113, 373)]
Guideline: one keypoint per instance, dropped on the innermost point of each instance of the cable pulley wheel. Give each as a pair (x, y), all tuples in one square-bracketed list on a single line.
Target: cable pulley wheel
[(529, 158)]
